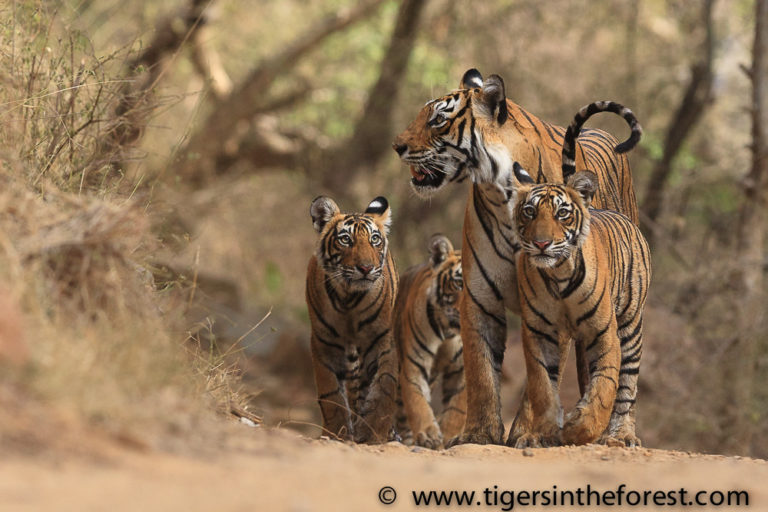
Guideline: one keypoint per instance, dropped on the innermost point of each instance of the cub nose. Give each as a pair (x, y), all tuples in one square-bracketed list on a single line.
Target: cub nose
[(365, 269), (400, 148), (542, 244)]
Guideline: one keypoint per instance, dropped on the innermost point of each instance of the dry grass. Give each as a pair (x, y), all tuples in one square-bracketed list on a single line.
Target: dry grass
[(86, 333)]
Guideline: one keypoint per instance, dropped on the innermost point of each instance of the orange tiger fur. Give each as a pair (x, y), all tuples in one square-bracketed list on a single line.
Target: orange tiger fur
[(476, 133), (351, 289), (426, 325), (582, 273)]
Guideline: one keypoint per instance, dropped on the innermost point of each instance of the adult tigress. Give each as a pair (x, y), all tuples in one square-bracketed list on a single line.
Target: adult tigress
[(477, 133), (351, 289)]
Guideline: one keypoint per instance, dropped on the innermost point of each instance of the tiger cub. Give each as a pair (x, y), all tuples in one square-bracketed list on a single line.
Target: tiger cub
[(583, 273), (426, 324), (351, 289)]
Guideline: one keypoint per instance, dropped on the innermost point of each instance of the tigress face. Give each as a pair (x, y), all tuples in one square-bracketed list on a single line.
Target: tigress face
[(447, 283), (440, 145), (353, 247), (551, 220)]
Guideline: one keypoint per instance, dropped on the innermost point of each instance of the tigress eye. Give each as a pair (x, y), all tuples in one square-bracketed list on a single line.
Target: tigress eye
[(375, 239), (529, 211), (438, 119), (563, 213), (345, 239)]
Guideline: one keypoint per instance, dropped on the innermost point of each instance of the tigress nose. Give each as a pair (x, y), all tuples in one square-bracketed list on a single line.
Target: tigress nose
[(365, 269), (400, 148), (542, 244)]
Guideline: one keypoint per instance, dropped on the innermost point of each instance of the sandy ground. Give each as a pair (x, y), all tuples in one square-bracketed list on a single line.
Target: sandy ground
[(277, 470)]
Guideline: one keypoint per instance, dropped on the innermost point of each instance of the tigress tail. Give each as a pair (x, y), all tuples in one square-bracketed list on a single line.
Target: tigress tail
[(569, 142)]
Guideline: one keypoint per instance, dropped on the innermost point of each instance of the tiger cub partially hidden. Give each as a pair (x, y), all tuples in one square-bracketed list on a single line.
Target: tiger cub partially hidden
[(426, 324), (582, 273), (351, 289)]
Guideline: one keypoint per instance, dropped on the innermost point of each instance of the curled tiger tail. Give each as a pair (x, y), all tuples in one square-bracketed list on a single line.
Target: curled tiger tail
[(569, 141)]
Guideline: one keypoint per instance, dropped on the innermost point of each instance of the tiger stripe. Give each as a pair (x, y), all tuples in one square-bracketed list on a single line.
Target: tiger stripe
[(350, 292), (475, 134)]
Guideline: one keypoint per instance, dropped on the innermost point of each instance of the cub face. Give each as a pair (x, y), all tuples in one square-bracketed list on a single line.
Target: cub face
[(445, 291), (551, 220), (352, 249), (437, 145)]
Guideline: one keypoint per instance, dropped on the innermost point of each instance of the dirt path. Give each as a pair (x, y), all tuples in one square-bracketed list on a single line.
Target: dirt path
[(260, 470)]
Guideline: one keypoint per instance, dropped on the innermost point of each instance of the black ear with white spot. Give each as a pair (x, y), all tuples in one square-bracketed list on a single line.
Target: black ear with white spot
[(522, 175), (495, 98), (439, 249), (472, 79), (322, 210), (585, 183), (381, 213)]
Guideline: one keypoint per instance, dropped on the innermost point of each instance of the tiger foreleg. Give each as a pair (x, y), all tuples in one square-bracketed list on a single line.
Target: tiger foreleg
[(483, 335), (621, 428), (332, 399), (414, 387), (542, 363), (591, 415), (454, 390), (375, 420)]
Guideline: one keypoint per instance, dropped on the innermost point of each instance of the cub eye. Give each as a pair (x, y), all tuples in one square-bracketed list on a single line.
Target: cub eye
[(375, 239), (563, 213), (345, 239), (529, 211)]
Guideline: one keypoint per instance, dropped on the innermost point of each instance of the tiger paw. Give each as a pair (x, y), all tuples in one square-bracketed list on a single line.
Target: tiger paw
[(429, 438), (477, 436), (580, 428), (629, 440), (534, 440)]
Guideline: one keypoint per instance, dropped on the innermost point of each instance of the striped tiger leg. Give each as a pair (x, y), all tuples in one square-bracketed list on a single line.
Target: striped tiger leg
[(375, 419), (332, 398), (523, 422), (483, 334), (454, 389), (415, 390), (621, 428), (590, 417), (543, 361), (401, 422)]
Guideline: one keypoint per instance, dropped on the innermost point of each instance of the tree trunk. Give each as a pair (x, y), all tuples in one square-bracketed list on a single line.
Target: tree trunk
[(740, 365), (373, 131), (219, 136), (697, 97)]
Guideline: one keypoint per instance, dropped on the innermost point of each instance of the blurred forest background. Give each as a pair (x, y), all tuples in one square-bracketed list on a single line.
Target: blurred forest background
[(158, 161)]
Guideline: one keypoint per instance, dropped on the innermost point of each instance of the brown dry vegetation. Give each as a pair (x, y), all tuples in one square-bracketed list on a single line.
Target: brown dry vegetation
[(132, 293)]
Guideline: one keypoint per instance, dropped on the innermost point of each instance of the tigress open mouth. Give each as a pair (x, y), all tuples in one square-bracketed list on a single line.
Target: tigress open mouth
[(426, 178)]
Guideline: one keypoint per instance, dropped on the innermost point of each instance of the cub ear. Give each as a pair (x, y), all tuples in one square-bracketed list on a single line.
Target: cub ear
[(522, 175), (381, 212), (322, 210), (439, 249), (494, 98), (472, 79), (585, 183)]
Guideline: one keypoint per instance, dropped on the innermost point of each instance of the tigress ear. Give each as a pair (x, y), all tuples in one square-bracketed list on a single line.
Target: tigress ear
[(585, 183), (494, 98), (522, 175), (379, 209), (472, 79), (439, 249), (322, 210)]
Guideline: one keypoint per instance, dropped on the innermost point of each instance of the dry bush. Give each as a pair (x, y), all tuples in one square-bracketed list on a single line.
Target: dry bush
[(98, 339)]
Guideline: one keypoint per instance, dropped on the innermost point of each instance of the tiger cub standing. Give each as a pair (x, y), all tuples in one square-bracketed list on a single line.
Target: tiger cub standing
[(583, 273), (426, 324), (351, 289)]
